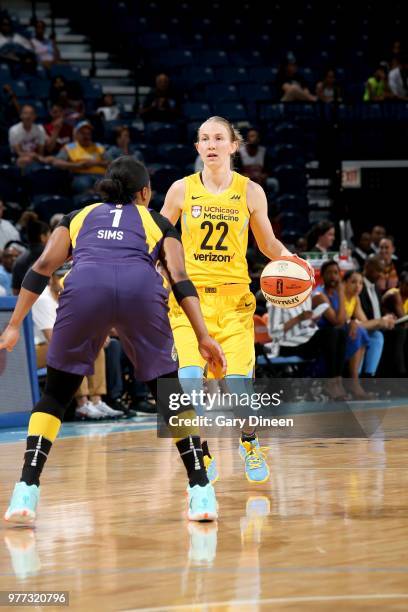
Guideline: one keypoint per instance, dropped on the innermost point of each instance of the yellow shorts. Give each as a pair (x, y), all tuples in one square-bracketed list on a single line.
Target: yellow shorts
[(228, 312)]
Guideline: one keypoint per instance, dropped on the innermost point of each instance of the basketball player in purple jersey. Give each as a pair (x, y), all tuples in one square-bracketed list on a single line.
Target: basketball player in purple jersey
[(115, 246)]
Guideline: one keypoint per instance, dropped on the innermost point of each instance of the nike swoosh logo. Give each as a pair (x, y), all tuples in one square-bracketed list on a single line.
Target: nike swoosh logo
[(196, 197), (247, 305)]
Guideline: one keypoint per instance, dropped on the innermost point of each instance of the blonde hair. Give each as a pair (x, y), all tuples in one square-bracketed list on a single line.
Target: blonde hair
[(234, 134)]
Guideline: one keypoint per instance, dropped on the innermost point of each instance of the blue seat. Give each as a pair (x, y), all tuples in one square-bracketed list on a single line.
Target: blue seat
[(5, 75), (46, 206), (287, 154), (154, 40), (263, 74), (47, 179), (291, 180), (175, 58), (71, 73), (39, 88), (91, 91), (291, 203), (231, 111), (177, 154), (218, 92), (232, 74), (158, 133), (196, 111), (293, 221), (272, 112), (148, 151), (246, 58), (194, 77), (19, 88), (10, 182), (211, 57), (164, 177), (254, 92), (287, 133)]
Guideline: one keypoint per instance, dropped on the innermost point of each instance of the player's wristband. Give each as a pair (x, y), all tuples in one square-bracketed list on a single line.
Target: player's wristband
[(34, 282), (184, 289)]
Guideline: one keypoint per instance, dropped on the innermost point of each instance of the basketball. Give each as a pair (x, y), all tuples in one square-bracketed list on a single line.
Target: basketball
[(286, 282)]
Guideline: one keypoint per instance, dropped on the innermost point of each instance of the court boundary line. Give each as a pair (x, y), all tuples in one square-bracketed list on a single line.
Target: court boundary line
[(270, 600)]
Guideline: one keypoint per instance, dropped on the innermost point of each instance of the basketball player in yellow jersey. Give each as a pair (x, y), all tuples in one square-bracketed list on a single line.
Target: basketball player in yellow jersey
[(217, 207)]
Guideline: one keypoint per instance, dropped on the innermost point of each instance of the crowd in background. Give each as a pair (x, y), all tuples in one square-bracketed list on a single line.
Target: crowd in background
[(357, 335)]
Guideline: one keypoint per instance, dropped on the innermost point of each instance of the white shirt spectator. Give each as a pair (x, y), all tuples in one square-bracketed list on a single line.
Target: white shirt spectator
[(28, 139), (110, 113), (398, 86), (7, 232), (16, 39), (44, 314), (298, 334)]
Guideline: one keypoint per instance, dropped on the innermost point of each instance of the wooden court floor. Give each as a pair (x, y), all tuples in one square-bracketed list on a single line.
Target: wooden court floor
[(329, 531)]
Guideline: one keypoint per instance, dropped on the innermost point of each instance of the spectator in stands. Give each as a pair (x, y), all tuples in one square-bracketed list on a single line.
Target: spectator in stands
[(25, 219), (377, 234), (376, 88), (11, 41), (328, 90), (395, 300), (392, 362), (338, 315), (38, 233), (123, 145), (161, 104), (353, 286), (389, 277), (362, 250), (321, 237), (89, 394), (44, 313), (108, 110), (395, 58), (68, 94), (297, 334), (27, 139), (87, 160), (291, 85), (7, 230), (10, 109), (45, 49), (59, 132), (398, 79), (301, 245), (7, 260), (253, 158), (54, 221)]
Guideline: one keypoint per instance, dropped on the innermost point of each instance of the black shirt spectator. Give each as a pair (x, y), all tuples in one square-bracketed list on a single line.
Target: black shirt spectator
[(160, 104), (38, 234)]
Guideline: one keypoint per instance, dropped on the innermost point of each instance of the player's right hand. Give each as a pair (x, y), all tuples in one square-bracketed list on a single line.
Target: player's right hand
[(9, 338), (214, 356)]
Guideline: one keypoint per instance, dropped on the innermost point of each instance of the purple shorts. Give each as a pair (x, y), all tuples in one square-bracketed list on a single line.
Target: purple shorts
[(129, 297)]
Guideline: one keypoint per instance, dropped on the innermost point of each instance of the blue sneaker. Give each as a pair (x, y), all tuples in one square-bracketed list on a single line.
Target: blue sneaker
[(256, 468), (211, 469), (23, 504), (202, 505)]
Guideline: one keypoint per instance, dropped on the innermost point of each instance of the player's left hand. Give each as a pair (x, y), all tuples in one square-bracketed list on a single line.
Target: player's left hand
[(211, 351), (311, 269), (9, 338)]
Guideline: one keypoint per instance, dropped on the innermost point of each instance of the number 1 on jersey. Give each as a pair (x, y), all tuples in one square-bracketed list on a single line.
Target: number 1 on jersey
[(117, 215)]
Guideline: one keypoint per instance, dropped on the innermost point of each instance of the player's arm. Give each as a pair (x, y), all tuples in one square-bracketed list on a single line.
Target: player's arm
[(260, 224), (174, 201), (35, 281)]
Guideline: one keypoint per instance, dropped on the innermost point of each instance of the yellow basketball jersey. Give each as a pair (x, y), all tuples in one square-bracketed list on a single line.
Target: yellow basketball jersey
[(215, 232)]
